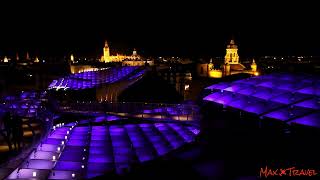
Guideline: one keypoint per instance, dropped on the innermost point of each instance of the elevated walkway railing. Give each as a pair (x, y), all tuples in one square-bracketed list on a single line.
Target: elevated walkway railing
[(182, 112)]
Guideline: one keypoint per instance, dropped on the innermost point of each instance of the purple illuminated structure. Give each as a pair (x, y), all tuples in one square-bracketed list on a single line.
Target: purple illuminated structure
[(281, 96), (26, 104), (76, 150), (179, 109), (93, 79)]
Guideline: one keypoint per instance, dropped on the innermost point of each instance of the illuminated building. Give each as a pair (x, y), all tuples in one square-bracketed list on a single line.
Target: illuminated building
[(213, 73), (231, 56), (107, 57), (5, 59), (75, 68), (72, 58), (254, 66), (140, 62), (36, 60), (231, 65)]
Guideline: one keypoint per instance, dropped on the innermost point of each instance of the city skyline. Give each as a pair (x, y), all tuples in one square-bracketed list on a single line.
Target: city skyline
[(93, 48)]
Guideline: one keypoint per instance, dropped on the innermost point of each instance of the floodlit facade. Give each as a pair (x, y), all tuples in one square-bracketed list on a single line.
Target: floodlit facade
[(107, 57), (231, 56), (231, 65)]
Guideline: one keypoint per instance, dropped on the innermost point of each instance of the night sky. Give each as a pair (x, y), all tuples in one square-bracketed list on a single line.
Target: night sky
[(191, 29)]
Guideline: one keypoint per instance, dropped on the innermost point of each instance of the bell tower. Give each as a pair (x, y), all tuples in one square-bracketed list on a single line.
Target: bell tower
[(231, 56), (254, 66), (134, 53), (106, 52)]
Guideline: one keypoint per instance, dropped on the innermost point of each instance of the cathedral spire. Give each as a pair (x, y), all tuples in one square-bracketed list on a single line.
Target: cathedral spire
[(106, 43), (232, 42), (134, 53)]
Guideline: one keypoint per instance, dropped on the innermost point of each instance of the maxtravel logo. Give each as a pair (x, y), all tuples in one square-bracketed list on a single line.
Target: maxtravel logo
[(266, 172)]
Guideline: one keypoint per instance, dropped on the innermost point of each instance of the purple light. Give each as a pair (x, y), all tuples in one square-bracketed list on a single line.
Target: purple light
[(101, 150), (100, 158), (309, 120), (287, 113), (29, 174), (313, 90), (71, 156), (45, 155), (98, 143), (47, 147), (68, 166), (265, 94), (76, 142), (112, 147), (39, 164), (92, 79), (60, 174), (311, 103), (289, 98), (219, 86)]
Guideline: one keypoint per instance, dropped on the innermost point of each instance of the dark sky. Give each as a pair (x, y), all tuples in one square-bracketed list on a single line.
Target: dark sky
[(164, 28)]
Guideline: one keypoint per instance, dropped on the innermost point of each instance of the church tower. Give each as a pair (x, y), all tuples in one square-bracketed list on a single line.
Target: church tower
[(72, 58), (232, 56), (254, 66), (106, 52), (210, 67), (134, 53)]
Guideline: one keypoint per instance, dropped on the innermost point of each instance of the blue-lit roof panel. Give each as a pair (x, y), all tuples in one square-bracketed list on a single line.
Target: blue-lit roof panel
[(309, 120), (91, 79), (313, 103), (81, 159), (267, 93), (262, 107), (237, 87), (289, 98), (219, 86), (312, 90), (281, 96), (288, 113)]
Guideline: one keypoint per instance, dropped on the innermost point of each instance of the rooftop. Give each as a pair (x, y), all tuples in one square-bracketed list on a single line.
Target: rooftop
[(293, 98)]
